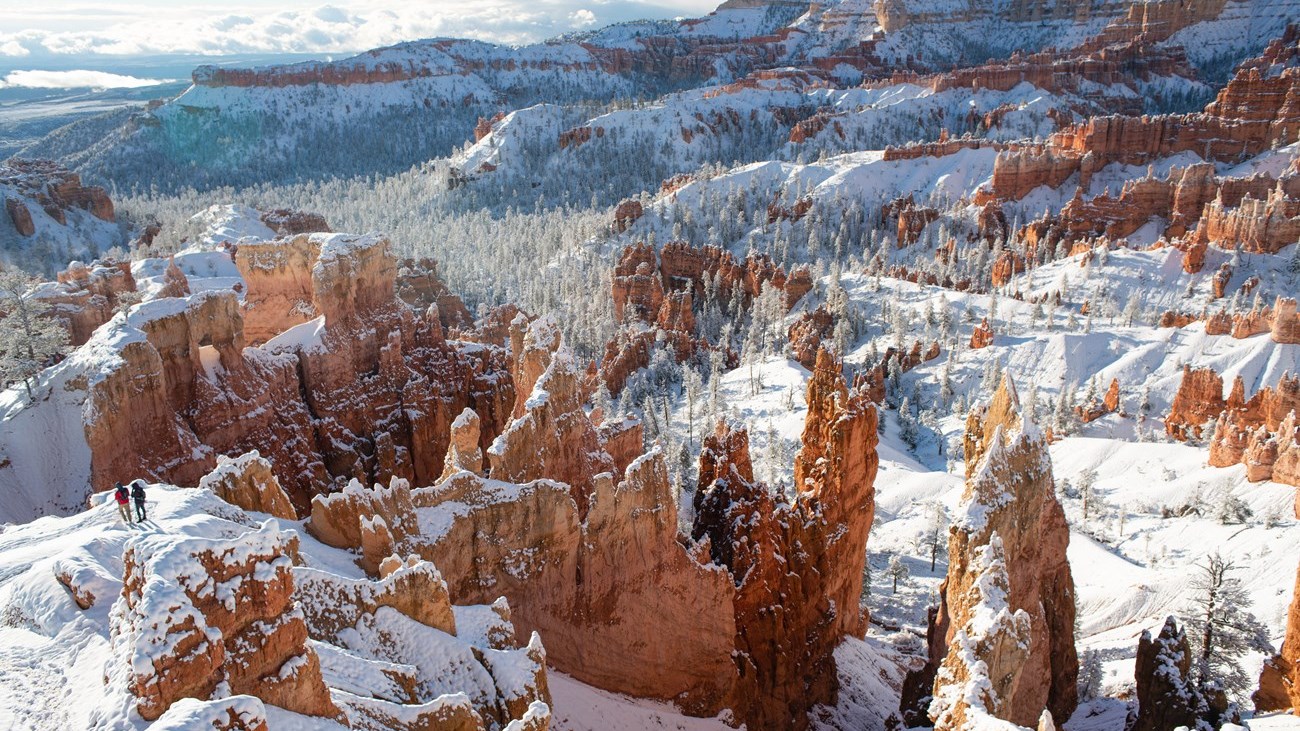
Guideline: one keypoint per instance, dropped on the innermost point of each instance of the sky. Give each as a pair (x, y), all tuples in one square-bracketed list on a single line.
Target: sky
[(38, 30)]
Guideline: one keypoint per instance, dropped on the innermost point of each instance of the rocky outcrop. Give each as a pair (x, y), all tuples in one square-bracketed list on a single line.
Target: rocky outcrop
[(84, 297), (1007, 552), (384, 383), (278, 285), (1279, 681), (724, 635), (197, 614), (661, 289), (419, 286), (20, 216), (1259, 432), (378, 522), (51, 187), (1264, 224), (911, 219), (369, 391), (463, 452), (1199, 400), (796, 565), (552, 437), (1260, 213), (1286, 323), (1166, 696), (623, 604), (478, 677), (807, 334), (287, 222), (626, 214), (247, 481), (1095, 409), (982, 335)]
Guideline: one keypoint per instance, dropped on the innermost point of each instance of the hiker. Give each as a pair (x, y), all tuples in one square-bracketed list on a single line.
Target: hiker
[(123, 499), (137, 492)]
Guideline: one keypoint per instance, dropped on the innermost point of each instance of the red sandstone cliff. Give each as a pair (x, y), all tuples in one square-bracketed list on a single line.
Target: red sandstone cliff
[(370, 391), (796, 565), (1279, 681), (1007, 556)]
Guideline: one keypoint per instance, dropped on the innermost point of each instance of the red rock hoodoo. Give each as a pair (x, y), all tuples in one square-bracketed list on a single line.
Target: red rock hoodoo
[(1007, 556)]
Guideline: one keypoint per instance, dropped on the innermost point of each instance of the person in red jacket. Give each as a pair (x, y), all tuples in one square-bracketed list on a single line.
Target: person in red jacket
[(123, 499)]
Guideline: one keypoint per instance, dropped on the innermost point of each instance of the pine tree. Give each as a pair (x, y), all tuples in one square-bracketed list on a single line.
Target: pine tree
[(29, 339), (1087, 492), (1090, 676), (945, 384), (866, 581), (1221, 630), (907, 426), (897, 570), (935, 531)]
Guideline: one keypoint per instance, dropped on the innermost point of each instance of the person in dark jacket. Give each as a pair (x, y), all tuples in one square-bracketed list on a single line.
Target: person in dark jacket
[(123, 499), (137, 492)]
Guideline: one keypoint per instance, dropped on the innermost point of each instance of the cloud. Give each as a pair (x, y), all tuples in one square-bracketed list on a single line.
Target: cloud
[(79, 79), (331, 14), (346, 26)]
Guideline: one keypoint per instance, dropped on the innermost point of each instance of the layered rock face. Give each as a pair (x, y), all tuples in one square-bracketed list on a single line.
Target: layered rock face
[(1260, 432), (1258, 211), (219, 628), (1007, 553), (248, 481), (622, 604), (1198, 401), (796, 565), (594, 565), (280, 293), (369, 391), (1279, 681), (1257, 108), (233, 622), (277, 278), (552, 437), (604, 576), (1280, 321), (84, 296), (54, 189)]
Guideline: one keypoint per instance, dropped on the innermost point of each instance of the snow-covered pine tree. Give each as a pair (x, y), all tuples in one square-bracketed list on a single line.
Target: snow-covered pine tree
[(1090, 676), (897, 570), (28, 338), (936, 531), (1222, 631), (907, 426)]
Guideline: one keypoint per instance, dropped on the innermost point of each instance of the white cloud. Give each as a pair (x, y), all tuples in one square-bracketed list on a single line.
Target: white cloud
[(184, 26), (73, 80)]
